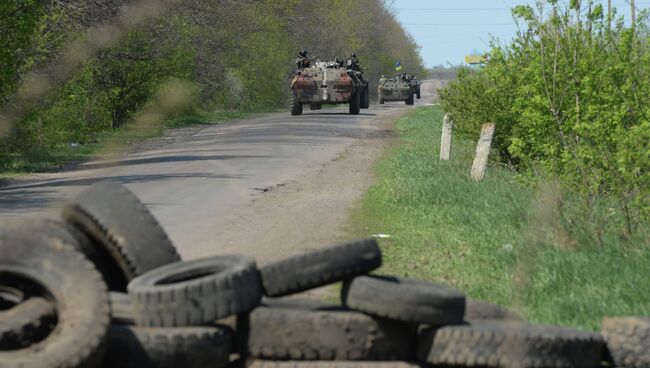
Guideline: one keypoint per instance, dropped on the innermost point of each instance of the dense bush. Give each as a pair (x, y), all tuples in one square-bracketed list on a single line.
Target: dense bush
[(569, 97)]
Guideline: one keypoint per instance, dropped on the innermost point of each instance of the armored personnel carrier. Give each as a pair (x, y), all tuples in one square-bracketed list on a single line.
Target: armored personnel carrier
[(397, 88), (329, 83)]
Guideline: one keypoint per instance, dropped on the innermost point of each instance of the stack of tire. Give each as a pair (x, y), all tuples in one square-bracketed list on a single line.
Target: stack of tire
[(105, 287)]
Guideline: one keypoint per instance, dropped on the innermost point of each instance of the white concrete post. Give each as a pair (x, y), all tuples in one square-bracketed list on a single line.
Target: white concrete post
[(445, 141), (482, 152)]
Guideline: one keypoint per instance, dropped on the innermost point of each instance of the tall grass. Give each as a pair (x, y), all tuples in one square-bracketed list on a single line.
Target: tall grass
[(516, 244)]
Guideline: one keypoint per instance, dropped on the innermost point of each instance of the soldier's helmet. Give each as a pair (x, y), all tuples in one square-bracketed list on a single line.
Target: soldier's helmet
[(354, 55), (303, 53)]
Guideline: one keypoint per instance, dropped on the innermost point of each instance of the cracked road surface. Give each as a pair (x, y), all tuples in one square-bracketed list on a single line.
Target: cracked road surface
[(269, 186)]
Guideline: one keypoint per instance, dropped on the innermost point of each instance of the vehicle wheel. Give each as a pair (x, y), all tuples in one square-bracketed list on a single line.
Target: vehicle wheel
[(405, 300), (129, 241), (409, 100), (196, 292), (314, 107), (365, 98), (296, 106), (27, 322), (479, 309), (320, 267), (303, 334), (628, 340), (148, 347), (510, 344), (418, 93), (355, 103), (42, 265)]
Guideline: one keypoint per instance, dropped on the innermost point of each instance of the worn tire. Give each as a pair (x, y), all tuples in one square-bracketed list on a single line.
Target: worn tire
[(405, 300), (121, 308), (479, 309), (47, 266), (355, 103), (129, 241), (326, 364), (418, 93), (628, 341), (295, 106), (27, 322), (195, 292), (320, 267), (510, 344), (188, 347), (334, 334), (409, 101)]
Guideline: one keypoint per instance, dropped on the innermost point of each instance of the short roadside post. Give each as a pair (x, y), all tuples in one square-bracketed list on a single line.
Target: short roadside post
[(445, 141), (482, 152)]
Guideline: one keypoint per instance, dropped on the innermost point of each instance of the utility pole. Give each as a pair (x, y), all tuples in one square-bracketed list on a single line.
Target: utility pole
[(633, 13)]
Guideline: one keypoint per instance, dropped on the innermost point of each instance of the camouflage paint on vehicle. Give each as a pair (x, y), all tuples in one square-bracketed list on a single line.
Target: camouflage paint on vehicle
[(396, 89), (326, 83)]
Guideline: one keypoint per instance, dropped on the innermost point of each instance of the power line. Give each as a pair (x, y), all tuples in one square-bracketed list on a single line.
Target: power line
[(459, 24), (452, 9)]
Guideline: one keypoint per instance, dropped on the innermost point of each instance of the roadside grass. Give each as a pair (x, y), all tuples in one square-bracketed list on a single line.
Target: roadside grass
[(498, 240), (14, 164)]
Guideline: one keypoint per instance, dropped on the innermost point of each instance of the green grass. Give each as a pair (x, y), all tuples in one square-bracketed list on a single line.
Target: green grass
[(14, 164), (499, 240)]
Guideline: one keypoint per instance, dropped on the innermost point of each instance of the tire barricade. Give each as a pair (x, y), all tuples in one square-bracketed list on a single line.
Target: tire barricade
[(105, 287)]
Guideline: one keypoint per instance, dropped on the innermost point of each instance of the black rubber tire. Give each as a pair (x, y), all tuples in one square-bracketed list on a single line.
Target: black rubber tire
[(129, 241), (295, 106), (405, 300), (300, 303), (320, 267), (418, 94), (196, 292), (365, 98), (304, 334), (67, 233), (188, 347), (47, 266), (479, 309), (628, 341), (355, 103), (409, 101), (510, 344), (27, 322), (325, 364), (121, 309)]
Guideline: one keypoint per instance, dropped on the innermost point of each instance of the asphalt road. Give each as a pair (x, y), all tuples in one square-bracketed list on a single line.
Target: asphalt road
[(267, 186)]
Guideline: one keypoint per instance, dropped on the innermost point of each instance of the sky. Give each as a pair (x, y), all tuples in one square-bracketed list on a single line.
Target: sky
[(447, 30)]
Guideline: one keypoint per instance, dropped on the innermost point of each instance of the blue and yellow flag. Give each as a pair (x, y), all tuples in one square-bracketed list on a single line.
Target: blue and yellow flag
[(398, 66)]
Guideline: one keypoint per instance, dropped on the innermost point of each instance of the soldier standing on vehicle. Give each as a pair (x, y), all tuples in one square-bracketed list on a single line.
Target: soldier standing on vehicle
[(382, 80), (354, 62), (303, 61)]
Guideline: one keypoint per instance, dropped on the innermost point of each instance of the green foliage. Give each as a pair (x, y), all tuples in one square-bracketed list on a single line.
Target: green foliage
[(568, 97), (19, 21), (500, 240)]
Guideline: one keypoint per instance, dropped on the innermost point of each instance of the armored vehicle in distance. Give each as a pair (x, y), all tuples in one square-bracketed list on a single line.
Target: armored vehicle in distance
[(329, 83), (397, 88)]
